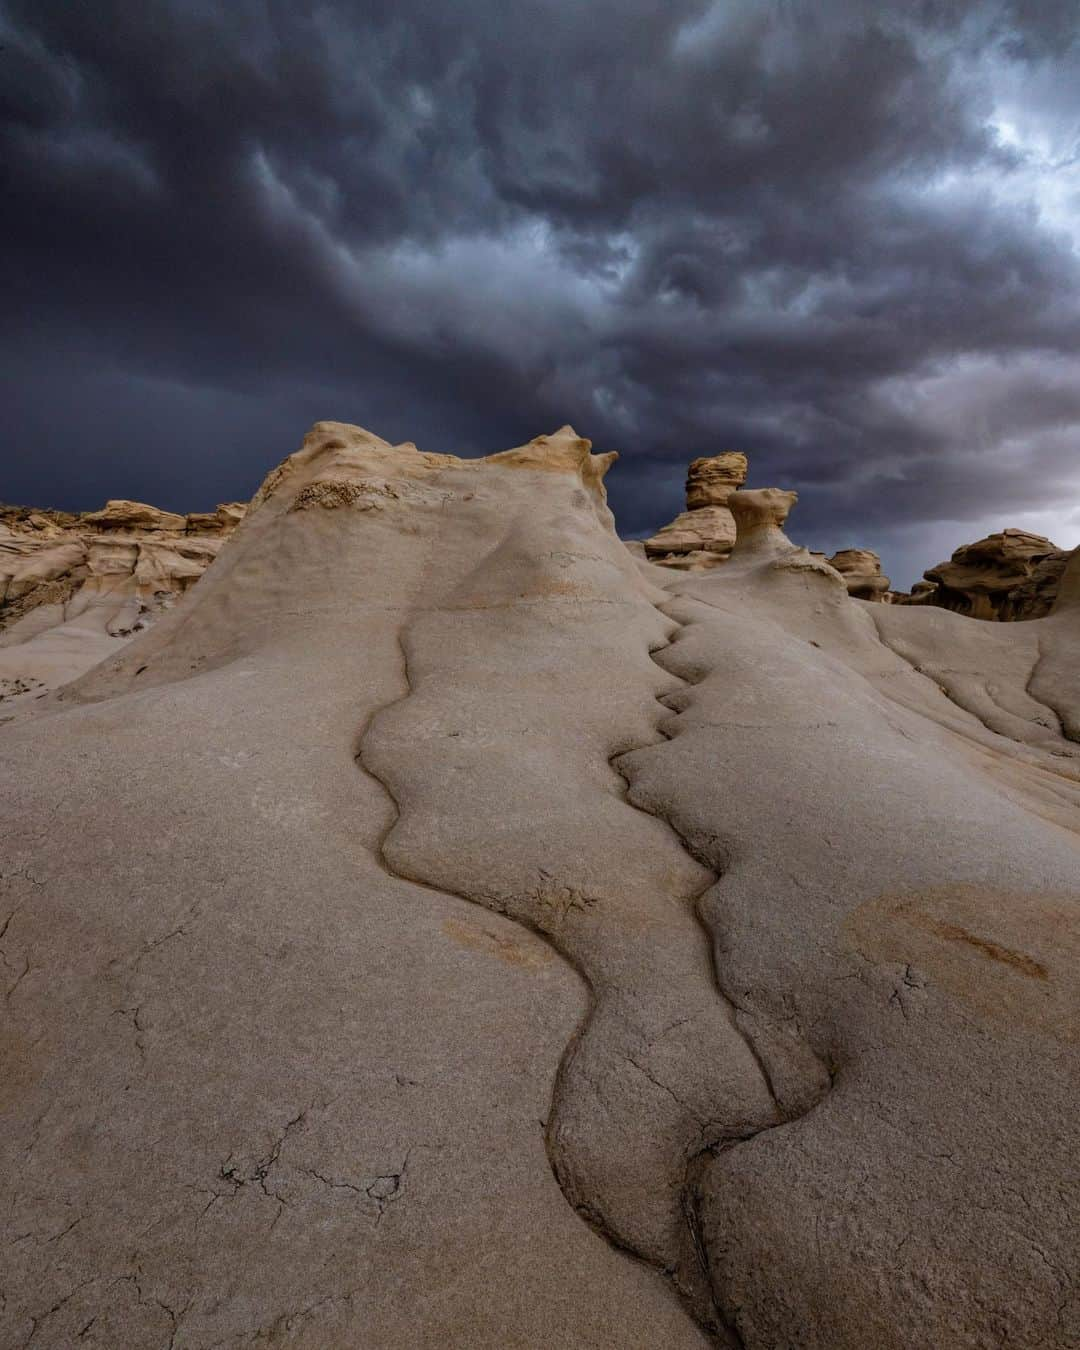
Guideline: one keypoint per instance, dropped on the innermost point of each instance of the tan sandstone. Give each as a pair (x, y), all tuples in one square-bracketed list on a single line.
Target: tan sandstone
[(75, 587), (861, 571), (1009, 575), (704, 534)]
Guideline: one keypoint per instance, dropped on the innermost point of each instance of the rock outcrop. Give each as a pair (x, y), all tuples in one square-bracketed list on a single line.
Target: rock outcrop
[(711, 480), (127, 516), (704, 534), (475, 908), (861, 570), (1009, 575), (73, 587), (1068, 591), (760, 515)]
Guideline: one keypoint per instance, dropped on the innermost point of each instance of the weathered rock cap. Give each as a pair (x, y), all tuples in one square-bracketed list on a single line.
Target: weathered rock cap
[(339, 463), (704, 534), (1012, 574), (861, 570), (760, 514), (124, 515), (997, 563), (712, 479)]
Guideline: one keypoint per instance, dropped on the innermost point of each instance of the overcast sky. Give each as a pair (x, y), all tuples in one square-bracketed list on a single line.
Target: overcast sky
[(842, 237)]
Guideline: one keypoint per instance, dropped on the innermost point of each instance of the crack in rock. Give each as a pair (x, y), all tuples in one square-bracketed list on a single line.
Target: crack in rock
[(647, 1215)]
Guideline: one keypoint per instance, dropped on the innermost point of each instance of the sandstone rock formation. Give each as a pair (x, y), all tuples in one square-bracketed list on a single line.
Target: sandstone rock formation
[(1009, 575), (759, 516), (122, 515), (711, 480), (476, 908), (72, 588), (704, 534), (861, 570), (1068, 592)]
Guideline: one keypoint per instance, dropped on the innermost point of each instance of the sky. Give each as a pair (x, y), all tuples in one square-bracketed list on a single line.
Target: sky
[(842, 237)]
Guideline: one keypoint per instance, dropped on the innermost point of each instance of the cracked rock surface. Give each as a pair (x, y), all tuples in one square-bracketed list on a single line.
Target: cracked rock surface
[(444, 929)]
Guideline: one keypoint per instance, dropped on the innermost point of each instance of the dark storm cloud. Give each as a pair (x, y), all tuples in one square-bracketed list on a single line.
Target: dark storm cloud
[(841, 236)]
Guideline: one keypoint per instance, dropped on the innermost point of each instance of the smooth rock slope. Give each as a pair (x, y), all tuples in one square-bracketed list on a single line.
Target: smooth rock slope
[(441, 928)]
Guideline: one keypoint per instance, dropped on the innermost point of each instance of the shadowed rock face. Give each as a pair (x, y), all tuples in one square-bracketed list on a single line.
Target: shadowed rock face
[(1068, 595), (75, 587), (1010, 575), (470, 896)]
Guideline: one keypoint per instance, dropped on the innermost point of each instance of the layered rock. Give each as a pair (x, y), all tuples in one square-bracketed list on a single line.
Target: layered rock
[(1009, 575), (124, 515), (704, 534), (73, 587), (711, 480), (861, 571)]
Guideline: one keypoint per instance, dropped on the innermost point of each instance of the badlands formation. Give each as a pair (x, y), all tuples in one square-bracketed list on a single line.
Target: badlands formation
[(71, 585), (444, 927), (1010, 575)]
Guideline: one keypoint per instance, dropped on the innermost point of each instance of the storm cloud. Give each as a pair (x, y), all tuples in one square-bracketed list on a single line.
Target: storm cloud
[(842, 237)]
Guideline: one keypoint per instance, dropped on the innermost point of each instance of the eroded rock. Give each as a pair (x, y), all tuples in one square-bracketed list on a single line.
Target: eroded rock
[(710, 530), (124, 515), (711, 480), (470, 896), (759, 515), (704, 534), (861, 570), (1006, 576), (73, 586)]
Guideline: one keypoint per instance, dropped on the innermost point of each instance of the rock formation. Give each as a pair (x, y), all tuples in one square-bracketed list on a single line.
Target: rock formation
[(475, 908), (759, 516), (861, 570), (1009, 575), (74, 587), (704, 534)]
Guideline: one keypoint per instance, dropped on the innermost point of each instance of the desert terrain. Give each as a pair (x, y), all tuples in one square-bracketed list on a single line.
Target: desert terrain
[(429, 920)]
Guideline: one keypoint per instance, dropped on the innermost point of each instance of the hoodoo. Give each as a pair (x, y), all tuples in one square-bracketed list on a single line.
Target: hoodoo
[(704, 534)]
